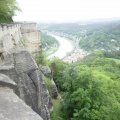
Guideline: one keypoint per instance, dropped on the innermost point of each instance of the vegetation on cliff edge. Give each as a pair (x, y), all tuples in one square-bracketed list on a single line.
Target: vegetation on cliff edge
[(90, 88), (49, 43), (7, 10)]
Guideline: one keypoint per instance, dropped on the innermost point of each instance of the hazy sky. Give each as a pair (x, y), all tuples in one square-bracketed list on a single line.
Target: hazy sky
[(67, 10)]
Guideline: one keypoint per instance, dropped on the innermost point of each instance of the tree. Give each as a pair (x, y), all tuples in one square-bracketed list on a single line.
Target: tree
[(90, 88), (58, 66), (41, 58), (90, 95), (7, 10)]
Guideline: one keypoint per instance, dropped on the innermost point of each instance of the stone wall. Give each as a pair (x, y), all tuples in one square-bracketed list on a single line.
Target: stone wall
[(31, 33), (12, 34), (11, 106)]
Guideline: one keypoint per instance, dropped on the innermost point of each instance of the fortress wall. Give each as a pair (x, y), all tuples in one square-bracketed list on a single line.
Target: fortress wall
[(11, 35), (31, 33)]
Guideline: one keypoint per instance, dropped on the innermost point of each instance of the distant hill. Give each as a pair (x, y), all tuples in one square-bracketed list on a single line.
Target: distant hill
[(93, 36)]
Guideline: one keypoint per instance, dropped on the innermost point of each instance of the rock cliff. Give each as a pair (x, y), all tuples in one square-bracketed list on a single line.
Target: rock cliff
[(11, 106), (20, 79)]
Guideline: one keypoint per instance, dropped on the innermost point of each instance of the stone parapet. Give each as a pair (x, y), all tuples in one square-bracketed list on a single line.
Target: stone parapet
[(12, 35)]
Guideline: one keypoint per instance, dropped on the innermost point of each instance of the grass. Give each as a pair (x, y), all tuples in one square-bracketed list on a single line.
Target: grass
[(57, 113), (48, 83)]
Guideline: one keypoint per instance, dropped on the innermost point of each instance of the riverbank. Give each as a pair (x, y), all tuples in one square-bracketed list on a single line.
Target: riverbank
[(49, 43), (65, 47), (67, 50)]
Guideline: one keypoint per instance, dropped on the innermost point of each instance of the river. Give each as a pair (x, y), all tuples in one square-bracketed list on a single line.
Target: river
[(65, 46)]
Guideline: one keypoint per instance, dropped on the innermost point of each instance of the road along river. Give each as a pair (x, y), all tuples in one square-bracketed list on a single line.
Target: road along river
[(65, 46)]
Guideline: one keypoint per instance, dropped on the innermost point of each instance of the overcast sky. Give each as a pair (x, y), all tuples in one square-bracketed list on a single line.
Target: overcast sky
[(67, 10)]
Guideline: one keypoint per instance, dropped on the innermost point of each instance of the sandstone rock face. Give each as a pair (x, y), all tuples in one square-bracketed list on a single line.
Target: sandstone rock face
[(46, 71), (17, 63), (22, 68), (54, 91), (11, 106)]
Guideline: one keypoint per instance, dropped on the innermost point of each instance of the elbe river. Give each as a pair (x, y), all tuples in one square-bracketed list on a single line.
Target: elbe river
[(65, 47)]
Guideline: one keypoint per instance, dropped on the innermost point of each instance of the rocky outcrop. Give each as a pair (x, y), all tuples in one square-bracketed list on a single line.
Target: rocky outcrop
[(22, 69), (54, 91), (17, 63), (48, 73), (11, 106), (46, 70)]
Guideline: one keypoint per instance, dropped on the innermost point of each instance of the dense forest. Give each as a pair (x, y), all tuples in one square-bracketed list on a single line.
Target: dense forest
[(89, 88), (107, 38)]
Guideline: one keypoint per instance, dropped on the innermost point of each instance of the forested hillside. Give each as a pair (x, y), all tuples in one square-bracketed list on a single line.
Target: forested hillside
[(92, 36), (90, 88), (49, 43), (106, 37)]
